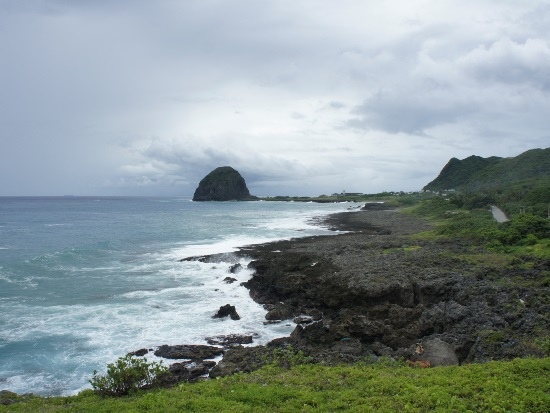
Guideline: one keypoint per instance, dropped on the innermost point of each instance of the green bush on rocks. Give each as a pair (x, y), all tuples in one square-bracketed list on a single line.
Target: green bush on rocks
[(128, 375)]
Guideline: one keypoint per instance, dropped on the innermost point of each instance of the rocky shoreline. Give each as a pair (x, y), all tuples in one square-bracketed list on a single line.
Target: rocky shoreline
[(379, 291)]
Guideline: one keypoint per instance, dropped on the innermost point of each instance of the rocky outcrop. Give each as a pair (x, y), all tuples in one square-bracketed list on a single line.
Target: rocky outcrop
[(438, 353), (227, 311), (192, 352), (223, 184), (241, 360), (7, 397), (231, 340), (188, 371), (229, 280), (235, 268), (380, 292), (139, 353)]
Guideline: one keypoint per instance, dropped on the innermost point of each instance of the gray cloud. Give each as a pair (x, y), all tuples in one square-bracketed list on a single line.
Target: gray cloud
[(409, 111), (510, 63), (140, 97)]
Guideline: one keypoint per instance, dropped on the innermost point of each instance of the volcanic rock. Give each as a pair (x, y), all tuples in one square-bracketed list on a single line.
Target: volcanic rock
[(191, 370), (227, 310), (241, 359), (222, 184), (386, 291), (235, 268), (192, 352), (139, 353), (231, 339)]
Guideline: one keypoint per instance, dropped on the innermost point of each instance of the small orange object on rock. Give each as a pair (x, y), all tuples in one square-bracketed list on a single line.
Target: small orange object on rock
[(422, 364)]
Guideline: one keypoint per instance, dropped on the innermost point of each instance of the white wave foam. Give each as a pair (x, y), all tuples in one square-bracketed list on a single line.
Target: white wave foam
[(155, 300)]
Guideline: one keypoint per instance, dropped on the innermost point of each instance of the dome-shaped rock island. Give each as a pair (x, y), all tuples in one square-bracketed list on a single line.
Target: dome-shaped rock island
[(223, 184)]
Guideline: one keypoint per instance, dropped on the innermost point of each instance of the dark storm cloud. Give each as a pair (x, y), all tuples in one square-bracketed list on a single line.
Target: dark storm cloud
[(408, 111)]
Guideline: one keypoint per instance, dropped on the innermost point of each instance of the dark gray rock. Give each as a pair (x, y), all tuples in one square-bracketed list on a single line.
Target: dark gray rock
[(187, 371), (389, 291), (191, 351), (191, 370), (241, 359), (235, 268), (139, 353), (303, 319), (226, 257), (227, 310), (229, 280), (280, 312), (222, 184), (231, 339)]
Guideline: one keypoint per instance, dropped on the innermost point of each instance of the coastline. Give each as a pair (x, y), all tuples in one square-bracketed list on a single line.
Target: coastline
[(310, 280), (373, 290), (137, 294), (376, 291), (346, 317)]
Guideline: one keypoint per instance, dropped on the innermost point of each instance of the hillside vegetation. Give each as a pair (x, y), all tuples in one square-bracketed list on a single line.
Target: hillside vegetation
[(476, 173), (514, 386), (519, 184)]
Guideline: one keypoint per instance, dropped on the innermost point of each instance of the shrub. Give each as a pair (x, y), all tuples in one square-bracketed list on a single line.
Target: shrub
[(543, 344), (288, 357), (128, 375)]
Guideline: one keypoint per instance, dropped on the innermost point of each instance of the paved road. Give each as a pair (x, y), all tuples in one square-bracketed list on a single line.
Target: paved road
[(498, 214)]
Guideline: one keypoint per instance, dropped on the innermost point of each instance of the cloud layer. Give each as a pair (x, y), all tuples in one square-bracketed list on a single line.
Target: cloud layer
[(302, 97)]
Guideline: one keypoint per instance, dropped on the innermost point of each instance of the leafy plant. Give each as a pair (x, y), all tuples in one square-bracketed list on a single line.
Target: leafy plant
[(288, 357), (128, 375)]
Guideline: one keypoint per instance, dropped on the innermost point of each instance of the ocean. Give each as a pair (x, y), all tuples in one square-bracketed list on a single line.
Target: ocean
[(85, 280)]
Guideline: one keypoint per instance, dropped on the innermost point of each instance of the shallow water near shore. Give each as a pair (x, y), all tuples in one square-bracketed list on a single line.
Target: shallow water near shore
[(84, 280)]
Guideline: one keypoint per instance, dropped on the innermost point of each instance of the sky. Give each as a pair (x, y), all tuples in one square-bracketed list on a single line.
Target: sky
[(302, 97)]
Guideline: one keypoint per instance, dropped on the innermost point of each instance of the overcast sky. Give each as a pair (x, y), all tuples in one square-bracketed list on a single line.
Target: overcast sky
[(302, 97)]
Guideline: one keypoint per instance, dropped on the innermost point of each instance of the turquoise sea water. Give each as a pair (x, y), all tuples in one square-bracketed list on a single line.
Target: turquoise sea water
[(84, 280)]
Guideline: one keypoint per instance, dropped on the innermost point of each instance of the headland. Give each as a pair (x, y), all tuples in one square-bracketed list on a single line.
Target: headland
[(381, 288)]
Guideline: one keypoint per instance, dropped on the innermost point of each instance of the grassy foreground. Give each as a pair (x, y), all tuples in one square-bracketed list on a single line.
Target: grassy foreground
[(521, 385)]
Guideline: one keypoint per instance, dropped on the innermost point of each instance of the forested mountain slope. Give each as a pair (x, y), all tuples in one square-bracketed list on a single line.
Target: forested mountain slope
[(477, 173)]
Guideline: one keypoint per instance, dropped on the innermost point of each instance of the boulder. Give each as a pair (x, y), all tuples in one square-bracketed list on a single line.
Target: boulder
[(222, 184), (439, 353), (231, 339), (193, 351), (229, 280), (280, 312), (191, 370), (227, 310), (139, 353), (303, 319), (235, 268)]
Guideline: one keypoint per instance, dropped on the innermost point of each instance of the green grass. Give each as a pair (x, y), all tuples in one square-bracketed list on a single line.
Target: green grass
[(520, 385)]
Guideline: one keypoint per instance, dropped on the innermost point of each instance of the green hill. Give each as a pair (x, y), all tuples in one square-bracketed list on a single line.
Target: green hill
[(476, 173), (518, 184)]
